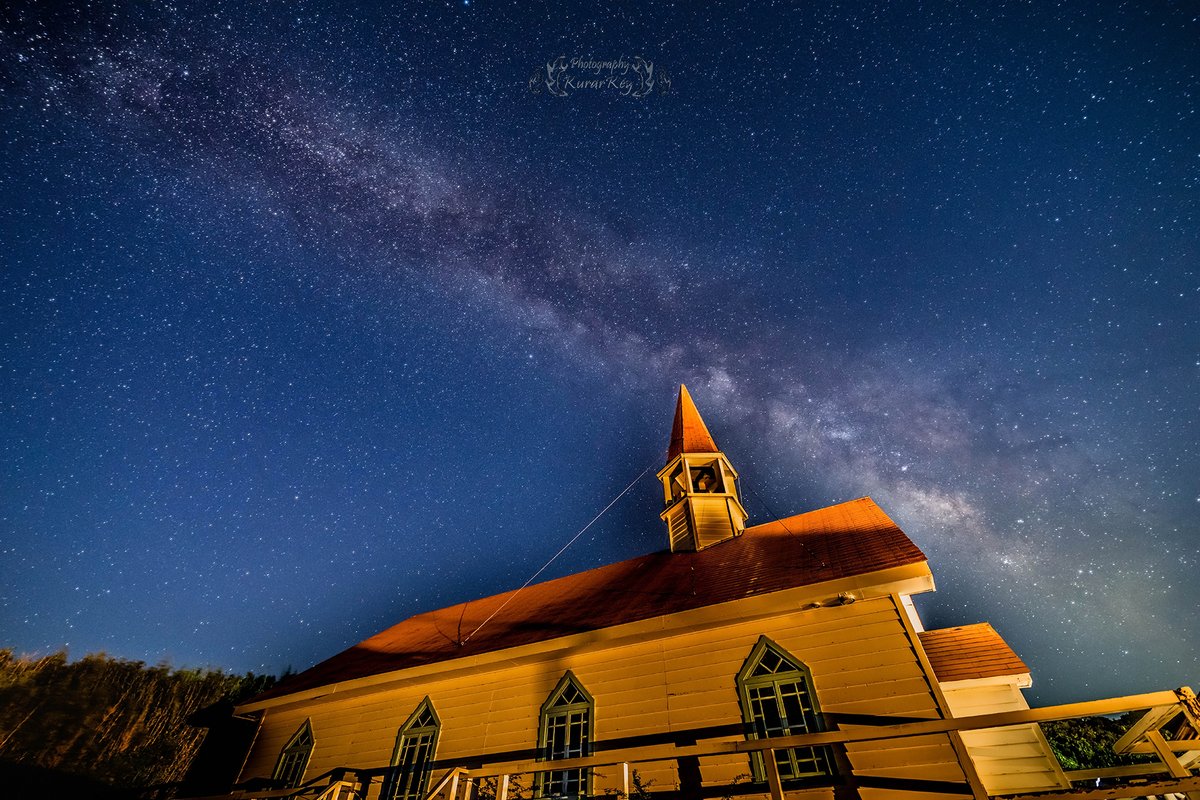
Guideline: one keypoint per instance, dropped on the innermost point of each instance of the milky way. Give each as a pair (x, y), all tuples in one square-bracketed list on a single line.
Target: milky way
[(315, 320)]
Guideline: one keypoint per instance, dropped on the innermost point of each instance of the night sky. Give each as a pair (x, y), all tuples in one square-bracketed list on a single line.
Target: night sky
[(314, 317)]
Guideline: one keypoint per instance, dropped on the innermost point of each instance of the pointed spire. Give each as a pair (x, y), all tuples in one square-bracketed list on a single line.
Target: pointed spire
[(689, 433)]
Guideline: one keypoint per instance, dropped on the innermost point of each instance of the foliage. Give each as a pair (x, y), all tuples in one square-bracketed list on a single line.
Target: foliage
[(1087, 742), (488, 788), (118, 722), (639, 789)]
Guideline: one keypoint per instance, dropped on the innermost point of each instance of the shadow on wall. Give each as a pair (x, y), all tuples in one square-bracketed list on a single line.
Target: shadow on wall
[(219, 760)]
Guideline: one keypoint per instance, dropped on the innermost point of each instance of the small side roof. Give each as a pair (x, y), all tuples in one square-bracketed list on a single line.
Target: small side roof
[(970, 651)]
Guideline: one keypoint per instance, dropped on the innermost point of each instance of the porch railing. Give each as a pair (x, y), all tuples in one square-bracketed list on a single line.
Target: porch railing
[(1176, 758)]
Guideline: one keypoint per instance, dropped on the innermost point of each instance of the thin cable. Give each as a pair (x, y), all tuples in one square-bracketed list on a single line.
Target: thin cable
[(562, 550), (783, 524)]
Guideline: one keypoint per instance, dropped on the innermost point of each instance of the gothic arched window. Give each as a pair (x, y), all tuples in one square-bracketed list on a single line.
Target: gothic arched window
[(293, 759), (778, 700), (565, 731), (412, 760)]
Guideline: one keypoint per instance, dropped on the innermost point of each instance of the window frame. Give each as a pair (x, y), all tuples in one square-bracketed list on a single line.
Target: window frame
[(812, 722), (397, 787), (550, 711), (283, 763), (713, 466)]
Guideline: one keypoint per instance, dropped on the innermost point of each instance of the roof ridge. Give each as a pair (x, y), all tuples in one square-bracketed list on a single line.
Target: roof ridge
[(847, 539), (753, 530)]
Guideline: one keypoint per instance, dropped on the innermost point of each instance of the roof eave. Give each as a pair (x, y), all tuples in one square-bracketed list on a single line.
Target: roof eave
[(906, 579), (1023, 680)]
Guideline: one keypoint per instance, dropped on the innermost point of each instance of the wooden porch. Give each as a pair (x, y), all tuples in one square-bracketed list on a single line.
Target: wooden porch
[(1172, 772)]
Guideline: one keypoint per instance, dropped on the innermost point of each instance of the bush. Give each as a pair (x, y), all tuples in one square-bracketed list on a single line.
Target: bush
[(1087, 742), (117, 722)]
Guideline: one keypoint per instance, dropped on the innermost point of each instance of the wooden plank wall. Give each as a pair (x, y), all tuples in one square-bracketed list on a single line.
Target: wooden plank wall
[(860, 657), (713, 523), (1009, 760)]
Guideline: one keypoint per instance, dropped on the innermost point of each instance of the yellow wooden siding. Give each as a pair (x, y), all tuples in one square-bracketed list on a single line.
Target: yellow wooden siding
[(677, 527), (893, 794), (273, 736), (1012, 759), (914, 750), (860, 658), (713, 523), (977, 697)]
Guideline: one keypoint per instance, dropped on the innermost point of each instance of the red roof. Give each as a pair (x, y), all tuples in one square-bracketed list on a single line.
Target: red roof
[(848, 539), (689, 434), (970, 651)]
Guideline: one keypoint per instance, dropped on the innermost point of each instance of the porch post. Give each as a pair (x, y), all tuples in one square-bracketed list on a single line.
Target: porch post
[(773, 779)]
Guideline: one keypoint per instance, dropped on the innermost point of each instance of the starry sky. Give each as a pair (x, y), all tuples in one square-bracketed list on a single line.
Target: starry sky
[(317, 315)]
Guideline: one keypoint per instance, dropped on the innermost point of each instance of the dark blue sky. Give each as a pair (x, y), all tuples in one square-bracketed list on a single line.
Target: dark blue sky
[(313, 317)]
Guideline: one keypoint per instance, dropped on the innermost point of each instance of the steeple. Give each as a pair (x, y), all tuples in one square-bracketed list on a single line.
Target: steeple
[(699, 484), (689, 434)]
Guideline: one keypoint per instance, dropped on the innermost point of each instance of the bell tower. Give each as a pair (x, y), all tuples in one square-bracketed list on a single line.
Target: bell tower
[(699, 484)]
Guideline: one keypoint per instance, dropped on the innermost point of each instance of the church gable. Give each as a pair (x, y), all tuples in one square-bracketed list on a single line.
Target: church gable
[(793, 631)]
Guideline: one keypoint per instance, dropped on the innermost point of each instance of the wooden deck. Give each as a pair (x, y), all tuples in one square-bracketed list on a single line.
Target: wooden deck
[(1173, 770)]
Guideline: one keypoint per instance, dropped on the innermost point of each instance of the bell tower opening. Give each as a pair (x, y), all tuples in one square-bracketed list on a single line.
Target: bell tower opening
[(699, 484)]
